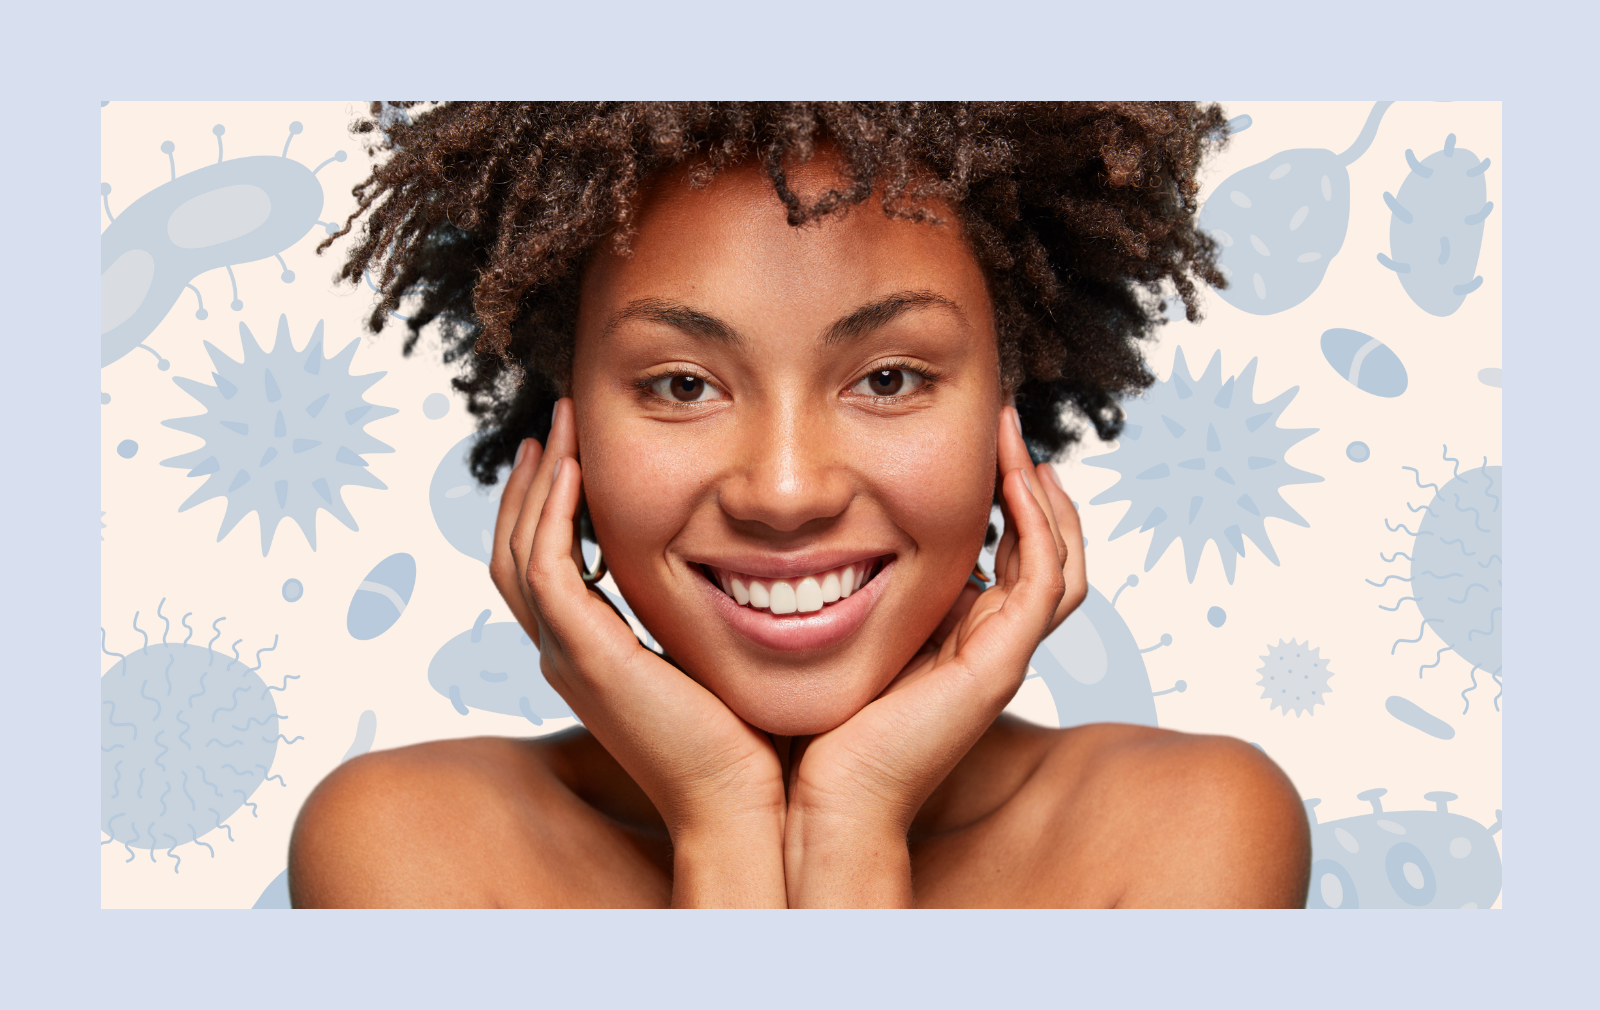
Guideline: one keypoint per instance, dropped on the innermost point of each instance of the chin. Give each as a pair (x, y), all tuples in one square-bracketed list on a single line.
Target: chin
[(789, 719)]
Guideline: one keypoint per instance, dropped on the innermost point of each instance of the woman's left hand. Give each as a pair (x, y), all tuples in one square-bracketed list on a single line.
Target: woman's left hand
[(854, 790)]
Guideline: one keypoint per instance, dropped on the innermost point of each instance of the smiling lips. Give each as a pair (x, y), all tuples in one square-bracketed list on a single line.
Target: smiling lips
[(801, 595)]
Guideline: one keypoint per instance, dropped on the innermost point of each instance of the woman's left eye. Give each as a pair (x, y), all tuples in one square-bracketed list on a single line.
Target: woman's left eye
[(888, 382), (685, 389)]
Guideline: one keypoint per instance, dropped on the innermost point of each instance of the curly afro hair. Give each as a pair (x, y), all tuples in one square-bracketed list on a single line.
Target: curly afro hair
[(483, 215)]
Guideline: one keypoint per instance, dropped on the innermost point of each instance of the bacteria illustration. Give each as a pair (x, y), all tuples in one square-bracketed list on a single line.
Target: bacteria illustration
[(187, 736), (284, 433), (1201, 460), (1294, 677), (1366, 362), (495, 667), (1095, 669), (1436, 227), (1413, 715), (1403, 858), (1281, 221), (381, 597), (222, 215), (1455, 565), (463, 509)]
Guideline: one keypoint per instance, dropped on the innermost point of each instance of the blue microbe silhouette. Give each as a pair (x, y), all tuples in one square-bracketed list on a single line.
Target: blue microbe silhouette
[(1403, 858), (463, 509), (1489, 377), (1358, 452), (1094, 667), (1294, 677), (232, 212), (284, 433), (1455, 570), (1216, 617), (381, 597), (1281, 221), (1201, 460), (187, 735), (495, 667), (293, 589), (1365, 361), (1436, 227), (1413, 715), (127, 448), (435, 406)]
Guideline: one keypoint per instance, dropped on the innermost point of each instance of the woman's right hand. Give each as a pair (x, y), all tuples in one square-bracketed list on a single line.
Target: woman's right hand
[(715, 779)]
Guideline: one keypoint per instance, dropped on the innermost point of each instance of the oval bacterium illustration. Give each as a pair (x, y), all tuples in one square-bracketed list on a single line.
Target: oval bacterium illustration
[(1365, 362), (381, 597)]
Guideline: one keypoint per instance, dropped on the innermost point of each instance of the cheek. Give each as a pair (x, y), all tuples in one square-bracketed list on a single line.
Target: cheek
[(936, 483), (639, 492)]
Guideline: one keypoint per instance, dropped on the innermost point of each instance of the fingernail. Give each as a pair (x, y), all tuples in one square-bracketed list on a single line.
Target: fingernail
[(1055, 478), (553, 412), (522, 447), (1017, 417), (1027, 482), (557, 472)]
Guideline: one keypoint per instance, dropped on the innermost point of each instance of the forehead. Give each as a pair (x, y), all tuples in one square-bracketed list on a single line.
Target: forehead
[(730, 244)]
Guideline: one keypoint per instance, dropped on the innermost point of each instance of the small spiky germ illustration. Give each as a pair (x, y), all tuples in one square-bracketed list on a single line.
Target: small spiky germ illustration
[(284, 433), (1201, 460), (1294, 676)]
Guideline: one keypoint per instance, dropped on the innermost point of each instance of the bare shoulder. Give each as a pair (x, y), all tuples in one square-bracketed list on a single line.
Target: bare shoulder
[(1177, 819), (397, 828)]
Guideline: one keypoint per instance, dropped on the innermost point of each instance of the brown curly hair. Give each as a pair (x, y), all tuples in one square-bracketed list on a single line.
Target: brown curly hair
[(483, 214)]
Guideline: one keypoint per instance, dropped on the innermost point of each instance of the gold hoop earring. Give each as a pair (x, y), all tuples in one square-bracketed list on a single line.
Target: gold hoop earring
[(599, 571)]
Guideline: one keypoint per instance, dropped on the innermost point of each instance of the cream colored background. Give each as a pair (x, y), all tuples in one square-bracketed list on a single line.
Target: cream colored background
[(152, 552)]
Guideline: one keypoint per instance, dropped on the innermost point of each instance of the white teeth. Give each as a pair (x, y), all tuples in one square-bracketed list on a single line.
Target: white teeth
[(805, 595), (830, 587), (808, 595), (783, 598)]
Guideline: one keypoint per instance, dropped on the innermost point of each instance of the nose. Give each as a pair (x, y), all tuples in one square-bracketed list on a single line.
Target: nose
[(787, 468)]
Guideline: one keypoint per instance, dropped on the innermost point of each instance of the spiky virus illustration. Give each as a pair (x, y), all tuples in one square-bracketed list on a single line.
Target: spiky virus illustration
[(1455, 569), (1294, 677), (284, 433), (1201, 460), (187, 735)]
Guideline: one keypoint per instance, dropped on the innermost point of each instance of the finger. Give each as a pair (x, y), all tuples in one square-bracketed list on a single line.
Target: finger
[(1034, 577), (503, 569), (562, 600), (560, 442), (1013, 454), (1073, 571)]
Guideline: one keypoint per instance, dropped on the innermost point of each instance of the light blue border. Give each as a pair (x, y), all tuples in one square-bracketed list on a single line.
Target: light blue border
[(61, 949)]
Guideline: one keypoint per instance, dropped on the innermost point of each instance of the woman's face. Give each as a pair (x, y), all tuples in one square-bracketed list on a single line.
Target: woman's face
[(775, 415)]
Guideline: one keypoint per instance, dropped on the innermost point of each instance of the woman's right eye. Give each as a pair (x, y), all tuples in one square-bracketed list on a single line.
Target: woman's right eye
[(684, 388)]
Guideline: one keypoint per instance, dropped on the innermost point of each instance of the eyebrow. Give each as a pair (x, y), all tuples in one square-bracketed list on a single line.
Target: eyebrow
[(858, 323)]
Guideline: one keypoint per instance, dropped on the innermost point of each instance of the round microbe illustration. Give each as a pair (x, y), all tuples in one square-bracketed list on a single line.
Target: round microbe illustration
[(1358, 452), (435, 406), (293, 590), (1216, 617), (495, 667), (463, 509), (187, 735), (127, 448), (381, 597)]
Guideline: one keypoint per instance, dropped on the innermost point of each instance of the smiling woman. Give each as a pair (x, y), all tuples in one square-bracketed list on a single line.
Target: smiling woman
[(786, 410)]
